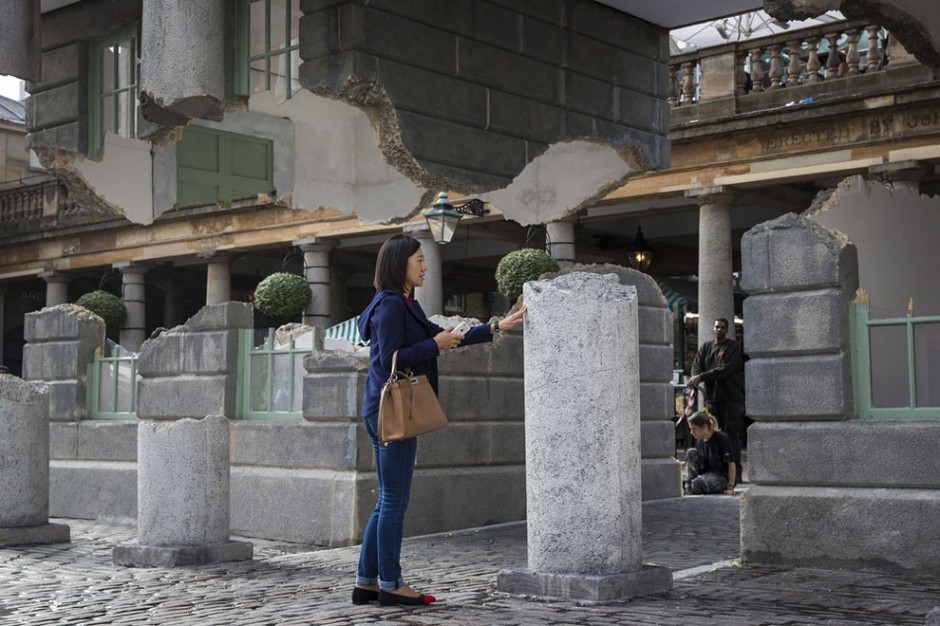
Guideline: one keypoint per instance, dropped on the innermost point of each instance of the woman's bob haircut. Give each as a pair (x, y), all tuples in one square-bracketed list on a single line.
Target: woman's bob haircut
[(391, 265)]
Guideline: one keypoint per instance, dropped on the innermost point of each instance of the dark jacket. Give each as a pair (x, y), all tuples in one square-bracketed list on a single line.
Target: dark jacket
[(392, 323), (721, 367)]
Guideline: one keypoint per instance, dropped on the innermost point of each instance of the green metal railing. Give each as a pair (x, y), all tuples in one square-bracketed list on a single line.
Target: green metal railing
[(270, 378), (112, 388), (895, 365)]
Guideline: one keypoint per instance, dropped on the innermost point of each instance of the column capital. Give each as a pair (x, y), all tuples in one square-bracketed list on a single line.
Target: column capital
[(131, 267), (314, 244), (54, 276), (911, 170), (714, 194), (418, 230), (215, 256)]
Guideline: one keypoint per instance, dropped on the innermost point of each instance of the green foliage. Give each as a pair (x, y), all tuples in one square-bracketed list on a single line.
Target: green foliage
[(519, 267), (282, 295), (105, 305)]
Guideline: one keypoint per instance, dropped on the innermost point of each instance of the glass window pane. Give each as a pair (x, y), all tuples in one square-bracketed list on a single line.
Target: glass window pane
[(295, 22), (256, 28), (279, 24), (125, 53), (105, 387), (279, 77), (259, 380), (257, 76), (125, 122), (107, 114), (927, 364), (889, 372), (294, 71), (281, 381), (107, 69), (123, 403), (299, 373)]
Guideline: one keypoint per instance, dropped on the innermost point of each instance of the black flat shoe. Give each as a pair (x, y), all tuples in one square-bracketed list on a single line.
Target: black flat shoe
[(387, 597), (364, 596)]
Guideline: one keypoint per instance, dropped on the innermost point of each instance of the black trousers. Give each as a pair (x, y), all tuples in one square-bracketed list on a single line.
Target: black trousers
[(731, 421)]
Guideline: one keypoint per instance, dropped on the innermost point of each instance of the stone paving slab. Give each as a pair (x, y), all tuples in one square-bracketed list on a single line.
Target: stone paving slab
[(286, 584)]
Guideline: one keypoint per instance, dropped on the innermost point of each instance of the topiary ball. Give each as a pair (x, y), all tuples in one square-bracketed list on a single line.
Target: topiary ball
[(105, 305), (283, 295), (519, 267)]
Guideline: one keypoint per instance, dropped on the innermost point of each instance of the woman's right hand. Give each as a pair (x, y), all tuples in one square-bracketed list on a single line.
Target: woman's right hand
[(447, 340)]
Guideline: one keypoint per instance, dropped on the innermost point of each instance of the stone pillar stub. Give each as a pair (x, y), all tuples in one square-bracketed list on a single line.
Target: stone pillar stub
[(317, 273), (583, 495), (61, 342), (183, 496), (715, 280), (559, 242), (20, 46), (24, 465), (431, 294), (173, 88)]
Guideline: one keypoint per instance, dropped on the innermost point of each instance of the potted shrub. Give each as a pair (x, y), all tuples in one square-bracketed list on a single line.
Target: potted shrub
[(105, 305), (282, 295), (519, 267)]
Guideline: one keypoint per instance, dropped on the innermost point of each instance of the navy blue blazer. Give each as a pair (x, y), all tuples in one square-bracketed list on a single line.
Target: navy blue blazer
[(390, 323)]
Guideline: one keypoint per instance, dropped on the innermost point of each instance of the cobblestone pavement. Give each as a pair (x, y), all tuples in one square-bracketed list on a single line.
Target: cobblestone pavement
[(286, 584)]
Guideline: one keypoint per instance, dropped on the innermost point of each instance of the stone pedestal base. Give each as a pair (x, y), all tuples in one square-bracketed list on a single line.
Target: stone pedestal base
[(133, 554), (586, 587), (28, 535)]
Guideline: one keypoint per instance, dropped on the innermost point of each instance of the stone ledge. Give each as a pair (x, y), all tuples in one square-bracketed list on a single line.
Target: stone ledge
[(648, 580), (132, 554), (31, 535)]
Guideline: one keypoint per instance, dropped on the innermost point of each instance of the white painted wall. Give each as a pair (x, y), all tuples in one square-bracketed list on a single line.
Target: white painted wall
[(123, 178)]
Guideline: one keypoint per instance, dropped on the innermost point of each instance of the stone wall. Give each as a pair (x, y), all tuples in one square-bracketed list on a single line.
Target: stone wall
[(829, 489), (472, 91)]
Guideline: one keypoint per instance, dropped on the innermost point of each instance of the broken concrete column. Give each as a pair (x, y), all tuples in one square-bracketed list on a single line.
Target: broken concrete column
[(183, 500), (173, 88), (582, 406), (24, 465), (61, 342), (20, 49)]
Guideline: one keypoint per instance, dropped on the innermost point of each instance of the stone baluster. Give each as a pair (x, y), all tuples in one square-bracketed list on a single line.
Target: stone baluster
[(834, 60), (812, 61), (795, 66), (673, 85), (776, 69), (873, 56), (852, 57), (687, 95)]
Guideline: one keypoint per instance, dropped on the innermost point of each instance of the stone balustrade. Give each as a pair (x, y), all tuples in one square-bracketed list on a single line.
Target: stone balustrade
[(786, 60), (34, 198)]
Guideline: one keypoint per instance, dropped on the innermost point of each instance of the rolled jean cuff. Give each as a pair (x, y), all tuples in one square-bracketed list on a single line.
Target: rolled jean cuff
[(385, 586), (362, 580)]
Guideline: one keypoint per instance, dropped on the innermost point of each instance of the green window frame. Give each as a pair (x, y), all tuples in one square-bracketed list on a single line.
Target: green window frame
[(268, 47), (112, 89), (216, 166), (915, 364)]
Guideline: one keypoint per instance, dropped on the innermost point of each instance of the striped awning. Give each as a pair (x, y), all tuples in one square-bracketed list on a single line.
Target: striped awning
[(674, 300), (348, 330)]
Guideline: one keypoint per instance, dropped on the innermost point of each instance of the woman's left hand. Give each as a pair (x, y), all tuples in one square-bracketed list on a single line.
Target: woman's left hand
[(511, 321)]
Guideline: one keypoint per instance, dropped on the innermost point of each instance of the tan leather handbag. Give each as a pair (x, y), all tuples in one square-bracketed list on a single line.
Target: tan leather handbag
[(408, 406)]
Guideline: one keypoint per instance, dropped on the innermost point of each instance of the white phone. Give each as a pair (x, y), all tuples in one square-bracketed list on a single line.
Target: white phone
[(461, 328)]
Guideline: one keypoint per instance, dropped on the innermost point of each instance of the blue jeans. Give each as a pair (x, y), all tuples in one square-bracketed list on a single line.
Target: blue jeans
[(380, 553)]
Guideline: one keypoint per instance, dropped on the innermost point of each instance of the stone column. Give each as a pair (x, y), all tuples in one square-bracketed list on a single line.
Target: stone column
[(183, 498), (218, 278), (431, 295), (24, 465), (559, 242), (317, 272), (57, 288), (134, 330), (583, 482), (715, 281), (173, 88), (20, 46)]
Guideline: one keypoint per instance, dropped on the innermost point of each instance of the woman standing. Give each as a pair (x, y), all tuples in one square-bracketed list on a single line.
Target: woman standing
[(393, 321)]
